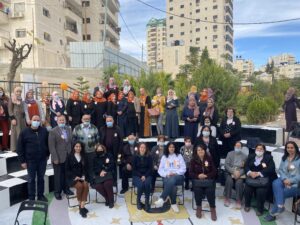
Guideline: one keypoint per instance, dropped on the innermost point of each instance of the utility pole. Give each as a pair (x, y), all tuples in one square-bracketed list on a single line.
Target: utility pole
[(142, 52), (85, 24), (33, 58), (105, 23)]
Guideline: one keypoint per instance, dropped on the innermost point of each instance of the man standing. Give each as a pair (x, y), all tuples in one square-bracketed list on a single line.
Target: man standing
[(33, 152), (60, 139), (88, 134)]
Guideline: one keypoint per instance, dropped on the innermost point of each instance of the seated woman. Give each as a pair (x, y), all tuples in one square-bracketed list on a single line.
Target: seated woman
[(141, 175), (235, 174), (286, 186), (171, 169), (103, 171), (260, 171), (202, 168), (75, 173)]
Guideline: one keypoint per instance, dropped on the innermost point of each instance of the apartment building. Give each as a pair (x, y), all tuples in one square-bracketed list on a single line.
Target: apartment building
[(246, 67), (205, 23), (282, 59), (285, 66), (156, 41), (94, 22)]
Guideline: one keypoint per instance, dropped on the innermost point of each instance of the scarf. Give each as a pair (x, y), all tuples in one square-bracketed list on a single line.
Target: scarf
[(209, 111), (29, 100), (290, 93), (54, 101), (16, 100)]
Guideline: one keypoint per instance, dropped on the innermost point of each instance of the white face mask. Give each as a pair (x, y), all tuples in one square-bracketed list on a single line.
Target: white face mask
[(160, 143), (237, 150), (259, 153), (206, 133)]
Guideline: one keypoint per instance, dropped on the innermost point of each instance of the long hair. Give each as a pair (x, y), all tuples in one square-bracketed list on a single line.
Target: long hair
[(166, 150), (147, 149), (286, 154), (195, 155), (81, 152), (201, 135)]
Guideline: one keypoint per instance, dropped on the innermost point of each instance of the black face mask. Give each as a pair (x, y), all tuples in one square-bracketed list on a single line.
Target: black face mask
[(100, 153)]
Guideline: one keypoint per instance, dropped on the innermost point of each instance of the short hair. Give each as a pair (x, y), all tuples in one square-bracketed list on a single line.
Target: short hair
[(100, 145), (161, 137), (187, 138), (262, 145)]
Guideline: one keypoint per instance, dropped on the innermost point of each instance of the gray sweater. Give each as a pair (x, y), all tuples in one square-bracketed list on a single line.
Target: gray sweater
[(235, 161)]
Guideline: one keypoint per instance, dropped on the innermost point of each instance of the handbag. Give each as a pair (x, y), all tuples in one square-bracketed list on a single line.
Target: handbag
[(257, 182), (99, 180), (154, 111), (203, 183)]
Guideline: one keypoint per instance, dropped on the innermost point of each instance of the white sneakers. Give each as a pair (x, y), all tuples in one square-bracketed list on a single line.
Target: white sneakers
[(159, 203), (175, 208)]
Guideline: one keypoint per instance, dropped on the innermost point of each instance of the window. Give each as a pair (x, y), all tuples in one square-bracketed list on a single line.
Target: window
[(197, 10), (47, 36), (171, 17), (215, 6), (182, 15), (46, 12), (197, 29), (205, 18), (206, 8), (86, 3), (205, 37), (86, 37), (182, 6), (197, 20), (61, 42), (19, 8), (215, 46), (171, 26), (215, 17), (181, 33), (171, 9), (197, 39), (20, 33), (171, 35), (86, 20), (182, 24)]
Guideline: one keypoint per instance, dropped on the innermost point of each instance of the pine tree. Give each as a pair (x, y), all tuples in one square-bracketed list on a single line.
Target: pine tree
[(82, 84)]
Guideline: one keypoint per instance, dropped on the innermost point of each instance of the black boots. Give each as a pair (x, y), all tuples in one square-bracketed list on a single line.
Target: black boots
[(83, 212)]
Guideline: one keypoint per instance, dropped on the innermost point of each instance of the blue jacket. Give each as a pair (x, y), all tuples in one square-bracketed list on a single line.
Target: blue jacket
[(293, 175)]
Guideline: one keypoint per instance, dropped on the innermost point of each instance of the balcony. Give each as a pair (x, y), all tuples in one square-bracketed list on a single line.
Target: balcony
[(229, 29), (111, 18), (113, 5), (229, 11), (72, 11), (229, 2), (3, 18), (229, 39), (71, 32)]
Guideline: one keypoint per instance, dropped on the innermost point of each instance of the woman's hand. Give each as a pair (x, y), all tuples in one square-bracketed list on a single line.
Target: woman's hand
[(14, 122), (102, 173)]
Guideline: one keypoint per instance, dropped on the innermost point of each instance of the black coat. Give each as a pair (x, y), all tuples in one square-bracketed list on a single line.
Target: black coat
[(87, 108), (117, 140), (127, 156), (74, 169), (142, 166), (33, 145), (213, 149), (100, 109), (73, 109), (103, 162), (290, 107)]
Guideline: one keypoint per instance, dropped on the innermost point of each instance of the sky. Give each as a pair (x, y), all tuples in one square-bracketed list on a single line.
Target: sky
[(255, 42)]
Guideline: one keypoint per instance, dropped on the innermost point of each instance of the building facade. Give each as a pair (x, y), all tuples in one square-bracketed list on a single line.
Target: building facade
[(282, 59), (202, 24), (246, 67), (156, 41)]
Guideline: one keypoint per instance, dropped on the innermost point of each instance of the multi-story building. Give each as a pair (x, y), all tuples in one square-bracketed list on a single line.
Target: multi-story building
[(94, 22), (285, 66), (282, 59), (156, 40), (246, 67), (51, 25), (203, 24)]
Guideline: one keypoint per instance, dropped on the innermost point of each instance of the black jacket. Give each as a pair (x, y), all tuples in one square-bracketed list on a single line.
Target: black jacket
[(74, 169), (33, 145), (117, 140), (234, 127), (142, 166), (73, 109), (103, 162), (127, 156)]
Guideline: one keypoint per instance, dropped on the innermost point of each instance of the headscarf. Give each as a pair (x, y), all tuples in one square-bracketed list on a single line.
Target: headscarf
[(111, 86), (210, 93), (99, 99), (209, 111), (169, 98), (290, 93), (45, 98), (126, 88), (101, 86), (193, 89), (73, 95), (29, 100), (54, 100), (16, 100), (193, 107), (86, 98), (131, 96), (204, 95)]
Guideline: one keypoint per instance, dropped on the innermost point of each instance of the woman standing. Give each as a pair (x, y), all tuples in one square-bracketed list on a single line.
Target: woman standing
[(141, 174), (103, 171), (112, 106), (211, 112), (290, 105), (122, 112), (258, 167), (172, 123), (159, 102), (100, 109), (133, 107), (190, 116), (286, 186), (16, 114), (127, 87), (32, 107), (73, 109), (4, 120), (75, 174), (145, 121), (171, 169), (57, 108), (46, 109), (203, 173), (87, 107)]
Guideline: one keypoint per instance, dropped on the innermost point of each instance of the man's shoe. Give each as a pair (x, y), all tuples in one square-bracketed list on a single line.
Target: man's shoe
[(269, 218), (259, 213), (111, 205), (226, 202), (69, 192), (123, 191), (139, 205), (42, 198), (57, 196), (159, 203)]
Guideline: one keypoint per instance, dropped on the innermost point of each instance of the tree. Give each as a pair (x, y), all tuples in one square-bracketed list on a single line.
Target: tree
[(205, 57), (110, 72), (82, 84), (270, 69), (19, 54)]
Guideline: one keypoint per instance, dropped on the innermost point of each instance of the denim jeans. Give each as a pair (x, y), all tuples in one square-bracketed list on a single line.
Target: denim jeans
[(142, 186), (281, 192), (36, 168), (170, 187)]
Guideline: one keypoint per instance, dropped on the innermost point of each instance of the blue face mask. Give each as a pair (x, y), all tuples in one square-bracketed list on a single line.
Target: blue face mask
[(109, 124), (87, 123), (35, 124), (131, 142), (61, 125)]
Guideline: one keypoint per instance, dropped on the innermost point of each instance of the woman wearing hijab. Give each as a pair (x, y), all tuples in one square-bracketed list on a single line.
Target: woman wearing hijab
[(16, 115), (111, 87), (86, 104), (145, 122), (133, 110), (100, 108), (32, 107), (4, 120), (101, 87), (210, 111), (57, 108), (190, 116), (73, 109), (127, 87), (290, 105), (172, 123)]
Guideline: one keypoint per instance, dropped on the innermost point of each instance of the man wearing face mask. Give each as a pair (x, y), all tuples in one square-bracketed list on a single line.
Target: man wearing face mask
[(129, 150), (33, 152), (88, 134), (235, 174), (60, 145)]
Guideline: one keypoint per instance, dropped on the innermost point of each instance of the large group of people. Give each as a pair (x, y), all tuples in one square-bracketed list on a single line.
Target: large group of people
[(89, 138)]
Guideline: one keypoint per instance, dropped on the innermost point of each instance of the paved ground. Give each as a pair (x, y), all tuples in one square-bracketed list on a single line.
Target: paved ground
[(280, 120)]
